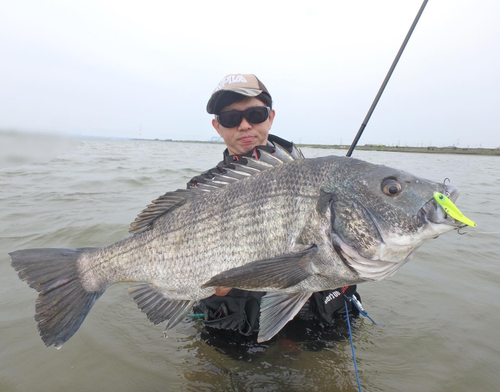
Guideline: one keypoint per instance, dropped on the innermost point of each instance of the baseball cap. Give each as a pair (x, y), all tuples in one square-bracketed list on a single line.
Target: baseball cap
[(243, 84)]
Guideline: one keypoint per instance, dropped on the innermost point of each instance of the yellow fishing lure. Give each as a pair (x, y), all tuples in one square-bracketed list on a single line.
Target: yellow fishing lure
[(452, 210)]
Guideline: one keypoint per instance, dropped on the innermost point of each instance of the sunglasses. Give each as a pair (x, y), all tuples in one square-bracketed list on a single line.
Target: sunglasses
[(233, 118)]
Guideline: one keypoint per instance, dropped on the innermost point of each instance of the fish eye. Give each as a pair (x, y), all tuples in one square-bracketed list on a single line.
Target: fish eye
[(391, 187)]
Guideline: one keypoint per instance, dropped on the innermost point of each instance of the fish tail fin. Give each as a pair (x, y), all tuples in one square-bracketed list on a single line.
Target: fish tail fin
[(63, 303)]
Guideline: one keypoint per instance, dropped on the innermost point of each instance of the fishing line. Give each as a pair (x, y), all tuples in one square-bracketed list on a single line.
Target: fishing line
[(386, 80), (352, 345), (364, 313), (473, 233)]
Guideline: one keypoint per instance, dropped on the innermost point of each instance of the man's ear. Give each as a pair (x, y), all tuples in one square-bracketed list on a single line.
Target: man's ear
[(272, 113), (216, 125)]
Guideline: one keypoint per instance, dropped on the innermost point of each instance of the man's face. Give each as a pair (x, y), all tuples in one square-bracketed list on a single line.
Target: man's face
[(244, 137)]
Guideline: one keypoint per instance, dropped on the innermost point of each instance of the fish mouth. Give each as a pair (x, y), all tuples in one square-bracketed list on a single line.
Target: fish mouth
[(434, 213)]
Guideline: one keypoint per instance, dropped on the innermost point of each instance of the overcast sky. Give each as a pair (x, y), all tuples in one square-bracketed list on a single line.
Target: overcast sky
[(146, 69)]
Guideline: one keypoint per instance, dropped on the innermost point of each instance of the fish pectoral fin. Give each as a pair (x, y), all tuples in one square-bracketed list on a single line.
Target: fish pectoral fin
[(276, 309), (279, 272), (158, 307)]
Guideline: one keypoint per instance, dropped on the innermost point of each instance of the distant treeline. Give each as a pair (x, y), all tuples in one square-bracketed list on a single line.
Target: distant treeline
[(376, 147), (426, 150)]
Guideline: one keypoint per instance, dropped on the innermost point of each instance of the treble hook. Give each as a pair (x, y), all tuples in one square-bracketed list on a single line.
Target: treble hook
[(445, 187), (458, 231)]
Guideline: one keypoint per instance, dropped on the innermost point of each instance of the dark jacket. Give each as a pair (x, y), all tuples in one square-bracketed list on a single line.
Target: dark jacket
[(239, 309)]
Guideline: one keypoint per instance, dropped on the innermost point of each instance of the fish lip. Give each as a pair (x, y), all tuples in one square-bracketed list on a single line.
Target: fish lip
[(452, 193), (432, 212)]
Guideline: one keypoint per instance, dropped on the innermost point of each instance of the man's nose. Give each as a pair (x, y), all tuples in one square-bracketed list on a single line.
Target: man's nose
[(244, 125)]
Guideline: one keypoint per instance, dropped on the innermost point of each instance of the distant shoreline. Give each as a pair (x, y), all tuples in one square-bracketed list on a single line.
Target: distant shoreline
[(421, 150), (374, 147)]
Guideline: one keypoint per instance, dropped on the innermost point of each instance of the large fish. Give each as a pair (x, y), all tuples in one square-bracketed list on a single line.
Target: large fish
[(285, 226)]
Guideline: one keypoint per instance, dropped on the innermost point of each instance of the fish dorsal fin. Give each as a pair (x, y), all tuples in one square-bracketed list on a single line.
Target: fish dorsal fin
[(160, 206), (172, 200), (286, 156), (296, 153)]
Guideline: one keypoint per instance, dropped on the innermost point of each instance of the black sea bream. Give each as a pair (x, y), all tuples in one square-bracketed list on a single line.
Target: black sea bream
[(285, 226)]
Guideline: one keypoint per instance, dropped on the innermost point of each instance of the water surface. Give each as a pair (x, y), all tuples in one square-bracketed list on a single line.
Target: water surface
[(442, 309)]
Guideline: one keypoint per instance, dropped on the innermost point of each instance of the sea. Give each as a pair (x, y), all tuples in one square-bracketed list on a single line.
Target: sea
[(437, 318)]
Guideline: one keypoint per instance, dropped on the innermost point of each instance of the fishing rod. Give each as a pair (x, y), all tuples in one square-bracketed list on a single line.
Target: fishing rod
[(386, 80), (360, 132)]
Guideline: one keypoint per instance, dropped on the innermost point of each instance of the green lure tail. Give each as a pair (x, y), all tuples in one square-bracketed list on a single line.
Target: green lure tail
[(452, 210)]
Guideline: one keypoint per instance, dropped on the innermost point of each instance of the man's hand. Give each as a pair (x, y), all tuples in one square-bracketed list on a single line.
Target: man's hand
[(222, 291)]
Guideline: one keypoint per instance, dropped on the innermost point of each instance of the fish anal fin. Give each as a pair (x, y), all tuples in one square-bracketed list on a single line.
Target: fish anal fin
[(276, 309), (158, 307), (279, 272)]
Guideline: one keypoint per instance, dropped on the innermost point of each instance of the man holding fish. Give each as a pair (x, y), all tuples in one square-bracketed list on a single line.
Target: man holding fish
[(243, 116), (297, 231)]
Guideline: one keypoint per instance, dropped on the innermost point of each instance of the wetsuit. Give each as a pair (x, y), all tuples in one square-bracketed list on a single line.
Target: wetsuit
[(239, 309)]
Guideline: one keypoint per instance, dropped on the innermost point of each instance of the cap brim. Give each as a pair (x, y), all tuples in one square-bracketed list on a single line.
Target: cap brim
[(249, 92), (215, 98)]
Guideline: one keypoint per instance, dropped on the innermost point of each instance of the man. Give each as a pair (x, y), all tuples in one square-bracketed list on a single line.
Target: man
[(243, 118)]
